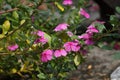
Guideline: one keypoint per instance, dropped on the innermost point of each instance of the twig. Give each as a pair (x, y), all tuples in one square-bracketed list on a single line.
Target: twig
[(14, 9), (46, 21), (105, 34), (2, 12)]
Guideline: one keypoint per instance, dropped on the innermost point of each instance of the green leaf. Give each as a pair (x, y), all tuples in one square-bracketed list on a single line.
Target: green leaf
[(100, 27), (63, 36), (48, 38), (118, 9), (114, 20), (41, 76), (22, 22), (77, 60), (6, 26), (15, 15), (11, 19)]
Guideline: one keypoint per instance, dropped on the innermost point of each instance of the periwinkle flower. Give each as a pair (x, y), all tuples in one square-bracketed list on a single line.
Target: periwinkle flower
[(91, 29), (72, 46), (60, 52), (13, 47), (61, 27), (84, 13), (46, 55), (67, 2)]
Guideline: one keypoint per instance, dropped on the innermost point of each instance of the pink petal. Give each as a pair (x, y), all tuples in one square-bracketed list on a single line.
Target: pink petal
[(84, 13), (57, 53), (63, 52), (44, 58), (89, 42), (40, 33), (67, 2), (46, 55), (92, 29), (70, 34), (75, 48), (71, 46), (60, 27), (41, 40), (85, 36), (67, 46), (12, 47)]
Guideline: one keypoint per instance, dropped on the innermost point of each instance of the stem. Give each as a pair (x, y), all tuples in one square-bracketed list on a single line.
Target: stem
[(105, 34), (14, 9)]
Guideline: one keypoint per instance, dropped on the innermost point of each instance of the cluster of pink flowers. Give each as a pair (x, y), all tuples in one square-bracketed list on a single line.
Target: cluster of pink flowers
[(41, 38), (88, 35), (69, 46), (48, 54), (12, 47)]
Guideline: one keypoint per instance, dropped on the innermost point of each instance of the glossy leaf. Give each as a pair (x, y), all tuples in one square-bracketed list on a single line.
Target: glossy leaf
[(6, 26), (15, 15), (60, 7), (77, 60)]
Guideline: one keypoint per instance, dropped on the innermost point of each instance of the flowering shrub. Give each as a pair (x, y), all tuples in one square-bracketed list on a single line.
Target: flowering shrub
[(38, 38)]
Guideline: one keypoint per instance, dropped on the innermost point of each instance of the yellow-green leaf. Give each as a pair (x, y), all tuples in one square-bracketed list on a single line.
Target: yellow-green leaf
[(15, 15), (22, 22), (1, 70), (2, 35), (77, 60), (13, 70), (6, 26), (24, 66), (60, 7)]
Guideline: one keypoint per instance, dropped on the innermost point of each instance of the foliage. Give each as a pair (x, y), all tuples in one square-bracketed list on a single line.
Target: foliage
[(23, 48)]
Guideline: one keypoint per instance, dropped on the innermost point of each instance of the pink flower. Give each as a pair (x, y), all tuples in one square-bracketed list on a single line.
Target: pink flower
[(46, 55), (67, 2), (59, 53), (72, 46), (70, 34), (84, 13), (41, 40), (101, 22), (116, 46), (89, 41), (12, 47), (85, 36), (40, 33), (83, 52), (92, 29), (60, 27)]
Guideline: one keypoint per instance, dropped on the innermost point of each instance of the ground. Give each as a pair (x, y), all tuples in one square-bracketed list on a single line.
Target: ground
[(99, 65)]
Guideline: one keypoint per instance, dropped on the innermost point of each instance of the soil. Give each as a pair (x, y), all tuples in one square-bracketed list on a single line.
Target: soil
[(99, 64)]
